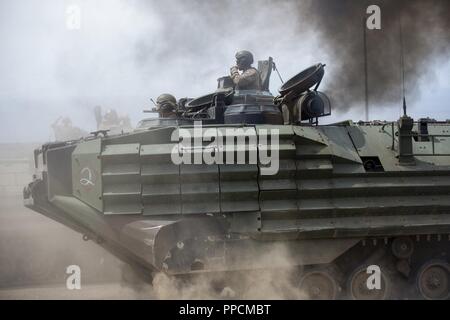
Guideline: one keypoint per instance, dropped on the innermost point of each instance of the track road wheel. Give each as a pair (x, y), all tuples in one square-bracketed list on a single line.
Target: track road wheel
[(433, 280), (318, 284), (403, 247), (363, 284)]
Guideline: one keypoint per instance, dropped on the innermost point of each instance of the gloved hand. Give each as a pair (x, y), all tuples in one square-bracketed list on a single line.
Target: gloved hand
[(234, 70)]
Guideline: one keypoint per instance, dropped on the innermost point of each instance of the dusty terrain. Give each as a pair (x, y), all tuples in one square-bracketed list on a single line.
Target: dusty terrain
[(35, 251)]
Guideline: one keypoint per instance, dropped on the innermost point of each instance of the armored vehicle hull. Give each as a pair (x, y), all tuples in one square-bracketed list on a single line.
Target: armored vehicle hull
[(340, 189)]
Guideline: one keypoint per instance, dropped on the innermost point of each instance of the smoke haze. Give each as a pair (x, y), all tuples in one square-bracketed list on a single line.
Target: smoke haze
[(128, 51), (426, 41)]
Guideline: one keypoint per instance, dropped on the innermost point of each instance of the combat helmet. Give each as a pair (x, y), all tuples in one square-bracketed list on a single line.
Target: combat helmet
[(166, 103), (244, 58)]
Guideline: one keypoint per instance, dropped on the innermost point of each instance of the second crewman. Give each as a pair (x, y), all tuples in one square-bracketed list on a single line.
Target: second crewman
[(166, 106)]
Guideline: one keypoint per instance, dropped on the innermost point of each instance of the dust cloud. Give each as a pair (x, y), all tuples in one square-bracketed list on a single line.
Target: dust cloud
[(274, 278), (34, 250)]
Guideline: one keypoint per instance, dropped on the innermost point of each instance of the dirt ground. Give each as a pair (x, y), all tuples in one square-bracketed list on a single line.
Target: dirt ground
[(35, 252), (110, 291)]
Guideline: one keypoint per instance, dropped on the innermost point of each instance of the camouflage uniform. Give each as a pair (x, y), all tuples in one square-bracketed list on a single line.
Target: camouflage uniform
[(250, 78)]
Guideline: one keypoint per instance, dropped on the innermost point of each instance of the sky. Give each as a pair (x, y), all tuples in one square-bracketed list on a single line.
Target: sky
[(125, 52)]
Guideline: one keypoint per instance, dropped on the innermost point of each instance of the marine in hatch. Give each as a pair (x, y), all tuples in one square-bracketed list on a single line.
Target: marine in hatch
[(250, 78), (166, 106)]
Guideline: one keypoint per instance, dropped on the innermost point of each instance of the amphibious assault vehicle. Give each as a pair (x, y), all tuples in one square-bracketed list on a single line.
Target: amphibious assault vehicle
[(345, 201)]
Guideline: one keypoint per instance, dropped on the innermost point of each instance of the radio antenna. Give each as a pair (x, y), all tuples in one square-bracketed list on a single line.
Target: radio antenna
[(402, 61), (366, 70)]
